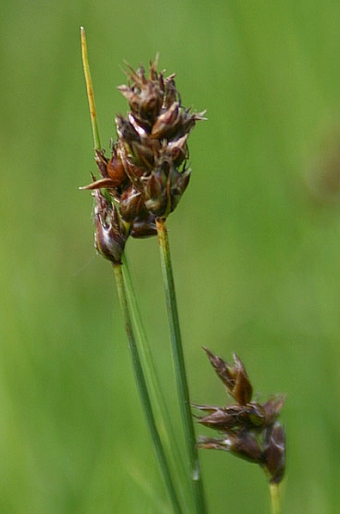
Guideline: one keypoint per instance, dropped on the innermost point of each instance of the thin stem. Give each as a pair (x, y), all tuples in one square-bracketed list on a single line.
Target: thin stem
[(143, 391), (162, 415), (181, 377), (89, 89), (275, 498)]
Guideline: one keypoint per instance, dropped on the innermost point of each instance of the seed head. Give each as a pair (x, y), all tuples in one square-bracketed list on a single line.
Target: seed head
[(250, 430), (147, 172)]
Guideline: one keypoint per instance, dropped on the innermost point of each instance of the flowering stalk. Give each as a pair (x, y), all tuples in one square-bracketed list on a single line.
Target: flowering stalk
[(248, 429), (139, 186), (275, 498), (143, 390), (164, 422), (181, 377), (110, 238)]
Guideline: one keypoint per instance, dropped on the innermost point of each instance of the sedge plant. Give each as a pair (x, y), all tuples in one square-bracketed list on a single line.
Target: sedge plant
[(130, 202), (139, 186)]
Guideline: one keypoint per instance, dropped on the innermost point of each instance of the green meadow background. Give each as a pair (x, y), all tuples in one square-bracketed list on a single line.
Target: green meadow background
[(255, 246)]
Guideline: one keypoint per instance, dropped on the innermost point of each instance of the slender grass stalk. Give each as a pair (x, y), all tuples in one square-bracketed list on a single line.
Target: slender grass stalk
[(181, 377), (275, 498), (164, 423), (143, 391), (89, 89)]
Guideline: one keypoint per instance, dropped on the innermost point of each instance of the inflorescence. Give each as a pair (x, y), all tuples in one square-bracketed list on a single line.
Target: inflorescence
[(250, 430), (147, 173)]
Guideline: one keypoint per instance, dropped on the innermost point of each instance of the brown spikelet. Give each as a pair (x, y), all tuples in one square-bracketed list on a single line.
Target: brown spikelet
[(251, 430), (147, 172)]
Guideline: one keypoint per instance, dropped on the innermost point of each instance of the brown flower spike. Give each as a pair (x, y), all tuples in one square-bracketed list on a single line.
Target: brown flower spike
[(147, 173), (249, 430)]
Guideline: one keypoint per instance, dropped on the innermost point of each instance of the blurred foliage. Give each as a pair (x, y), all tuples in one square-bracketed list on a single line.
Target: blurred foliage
[(255, 247)]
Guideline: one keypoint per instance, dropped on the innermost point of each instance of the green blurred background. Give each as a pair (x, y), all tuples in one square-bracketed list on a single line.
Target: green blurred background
[(255, 246)]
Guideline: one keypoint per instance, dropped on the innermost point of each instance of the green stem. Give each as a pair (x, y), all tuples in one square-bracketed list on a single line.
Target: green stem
[(163, 419), (181, 377), (89, 89), (275, 498), (143, 391)]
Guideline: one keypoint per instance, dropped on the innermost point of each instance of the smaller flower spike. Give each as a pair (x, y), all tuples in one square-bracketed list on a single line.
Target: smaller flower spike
[(250, 430)]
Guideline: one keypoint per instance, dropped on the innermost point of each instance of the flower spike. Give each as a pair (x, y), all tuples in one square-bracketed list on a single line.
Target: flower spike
[(147, 172), (250, 430)]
